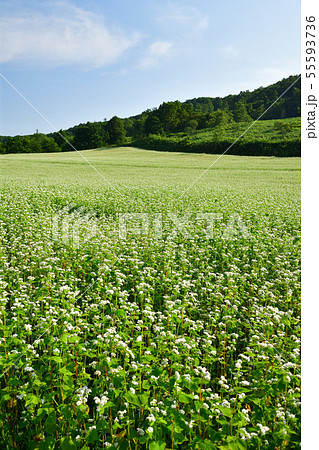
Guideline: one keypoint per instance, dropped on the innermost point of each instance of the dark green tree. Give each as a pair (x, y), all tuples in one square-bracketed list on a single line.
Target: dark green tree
[(48, 145), (168, 115), (153, 125), (35, 143), (116, 131), (3, 149), (18, 144), (191, 126), (88, 136), (64, 144), (240, 112), (129, 126), (139, 127), (217, 118), (40, 143)]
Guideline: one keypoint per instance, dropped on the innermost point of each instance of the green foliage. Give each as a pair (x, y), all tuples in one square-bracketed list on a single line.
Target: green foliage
[(257, 101), (157, 445), (240, 112), (138, 129), (152, 125), (63, 140), (263, 139), (149, 342), (216, 119), (116, 131), (67, 443), (88, 136), (37, 143), (191, 127), (283, 127), (169, 114), (17, 144)]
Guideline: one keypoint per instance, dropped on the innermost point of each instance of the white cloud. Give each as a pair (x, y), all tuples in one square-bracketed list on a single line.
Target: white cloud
[(230, 50), (157, 52), (67, 35), (190, 18)]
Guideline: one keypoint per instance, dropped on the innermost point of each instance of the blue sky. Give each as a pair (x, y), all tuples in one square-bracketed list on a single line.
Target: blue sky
[(79, 61)]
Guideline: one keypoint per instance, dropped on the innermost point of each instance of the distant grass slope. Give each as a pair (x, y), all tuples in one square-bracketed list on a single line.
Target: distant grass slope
[(263, 138)]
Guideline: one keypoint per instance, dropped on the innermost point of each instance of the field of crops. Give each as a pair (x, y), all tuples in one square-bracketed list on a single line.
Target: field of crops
[(142, 310)]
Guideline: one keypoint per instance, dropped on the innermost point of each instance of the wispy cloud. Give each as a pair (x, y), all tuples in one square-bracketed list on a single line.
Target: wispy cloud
[(177, 15), (67, 35), (183, 27), (230, 50), (157, 52)]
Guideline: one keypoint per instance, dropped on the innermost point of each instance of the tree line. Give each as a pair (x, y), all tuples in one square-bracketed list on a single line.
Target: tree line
[(81, 137), (170, 117)]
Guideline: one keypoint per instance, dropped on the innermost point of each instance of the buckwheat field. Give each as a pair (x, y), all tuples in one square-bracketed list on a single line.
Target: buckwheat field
[(143, 307)]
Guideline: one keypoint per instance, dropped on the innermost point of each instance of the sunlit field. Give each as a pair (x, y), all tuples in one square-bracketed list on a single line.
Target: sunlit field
[(146, 304)]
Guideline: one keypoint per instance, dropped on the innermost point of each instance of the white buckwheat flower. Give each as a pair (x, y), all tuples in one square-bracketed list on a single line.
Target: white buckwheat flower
[(140, 431)]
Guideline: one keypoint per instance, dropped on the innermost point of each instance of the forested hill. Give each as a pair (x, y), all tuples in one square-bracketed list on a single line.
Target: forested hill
[(257, 101), (189, 117)]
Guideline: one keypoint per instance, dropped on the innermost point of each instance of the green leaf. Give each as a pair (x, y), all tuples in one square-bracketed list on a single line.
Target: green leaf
[(32, 400), (110, 404), (41, 413), (136, 399), (143, 439), (65, 371), (120, 313), (92, 436), (185, 398), (227, 412), (214, 436), (51, 428), (67, 443), (50, 423), (179, 438), (199, 405), (157, 445), (143, 399), (234, 444), (64, 338), (238, 420), (146, 384), (207, 445), (124, 445), (241, 444), (48, 443), (57, 359), (102, 425)]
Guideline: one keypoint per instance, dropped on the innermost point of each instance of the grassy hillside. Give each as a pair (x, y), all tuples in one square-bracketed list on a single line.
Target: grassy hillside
[(264, 130), (264, 138)]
